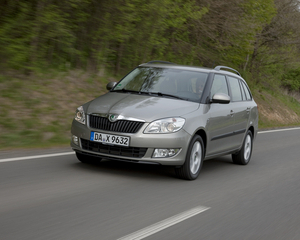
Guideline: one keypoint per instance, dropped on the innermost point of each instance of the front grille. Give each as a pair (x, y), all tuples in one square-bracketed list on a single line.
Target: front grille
[(123, 126), (134, 152)]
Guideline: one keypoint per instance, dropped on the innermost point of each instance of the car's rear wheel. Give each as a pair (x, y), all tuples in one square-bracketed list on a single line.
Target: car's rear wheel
[(244, 155), (86, 159), (193, 162)]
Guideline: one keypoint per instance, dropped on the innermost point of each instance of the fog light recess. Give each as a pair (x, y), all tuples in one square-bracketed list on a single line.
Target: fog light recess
[(165, 152), (75, 140)]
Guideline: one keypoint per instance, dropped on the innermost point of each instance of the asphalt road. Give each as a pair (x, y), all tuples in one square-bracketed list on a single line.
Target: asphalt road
[(61, 198)]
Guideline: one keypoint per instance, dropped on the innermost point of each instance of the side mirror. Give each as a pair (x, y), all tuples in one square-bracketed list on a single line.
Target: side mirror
[(220, 98), (110, 85)]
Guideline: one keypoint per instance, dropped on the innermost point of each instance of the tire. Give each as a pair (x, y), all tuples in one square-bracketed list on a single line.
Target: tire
[(86, 159), (193, 162), (243, 156)]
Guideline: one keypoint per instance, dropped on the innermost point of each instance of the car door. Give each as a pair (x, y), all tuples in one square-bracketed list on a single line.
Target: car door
[(241, 110), (220, 123)]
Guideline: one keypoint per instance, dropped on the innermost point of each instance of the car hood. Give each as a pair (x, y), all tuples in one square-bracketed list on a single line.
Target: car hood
[(147, 108)]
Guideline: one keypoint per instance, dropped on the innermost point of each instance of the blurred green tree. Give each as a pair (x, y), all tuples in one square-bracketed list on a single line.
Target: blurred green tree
[(259, 36)]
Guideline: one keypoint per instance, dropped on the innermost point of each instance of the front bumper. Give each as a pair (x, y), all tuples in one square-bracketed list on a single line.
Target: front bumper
[(138, 141)]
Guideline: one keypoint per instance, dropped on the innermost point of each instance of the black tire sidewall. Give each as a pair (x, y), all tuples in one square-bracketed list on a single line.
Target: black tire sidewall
[(243, 149), (187, 167)]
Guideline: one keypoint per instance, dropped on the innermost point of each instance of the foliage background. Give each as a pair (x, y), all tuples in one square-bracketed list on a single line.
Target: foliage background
[(55, 55)]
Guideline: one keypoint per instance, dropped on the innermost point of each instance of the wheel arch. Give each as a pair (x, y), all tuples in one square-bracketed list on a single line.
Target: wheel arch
[(251, 128), (203, 135)]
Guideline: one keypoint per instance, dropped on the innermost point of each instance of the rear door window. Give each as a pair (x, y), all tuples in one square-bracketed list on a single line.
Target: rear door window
[(243, 92), (235, 89)]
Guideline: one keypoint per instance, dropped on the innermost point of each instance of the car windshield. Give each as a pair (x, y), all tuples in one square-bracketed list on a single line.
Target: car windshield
[(168, 82)]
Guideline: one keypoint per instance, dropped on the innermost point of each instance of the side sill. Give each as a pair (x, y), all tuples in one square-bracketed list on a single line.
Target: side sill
[(221, 154)]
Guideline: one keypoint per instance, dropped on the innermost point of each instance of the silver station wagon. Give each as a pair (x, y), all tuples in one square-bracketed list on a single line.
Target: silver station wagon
[(168, 114)]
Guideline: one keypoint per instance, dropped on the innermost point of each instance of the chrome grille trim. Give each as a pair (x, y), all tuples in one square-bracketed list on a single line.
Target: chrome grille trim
[(122, 126)]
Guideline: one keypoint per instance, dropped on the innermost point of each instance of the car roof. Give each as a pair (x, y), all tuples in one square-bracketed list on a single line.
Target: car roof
[(218, 69)]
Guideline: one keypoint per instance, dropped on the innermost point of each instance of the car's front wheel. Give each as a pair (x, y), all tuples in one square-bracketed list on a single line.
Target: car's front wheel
[(194, 159), (243, 156), (86, 159)]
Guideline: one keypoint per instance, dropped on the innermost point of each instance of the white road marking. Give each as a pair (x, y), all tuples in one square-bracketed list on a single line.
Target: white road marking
[(145, 232), (280, 130), (37, 156)]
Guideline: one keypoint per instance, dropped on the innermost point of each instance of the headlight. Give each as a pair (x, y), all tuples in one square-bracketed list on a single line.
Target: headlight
[(80, 116), (167, 125)]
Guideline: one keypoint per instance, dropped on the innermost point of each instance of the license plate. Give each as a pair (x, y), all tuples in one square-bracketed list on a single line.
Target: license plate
[(110, 139)]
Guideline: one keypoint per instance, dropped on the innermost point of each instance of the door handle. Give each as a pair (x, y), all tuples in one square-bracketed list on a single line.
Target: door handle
[(231, 113), (248, 109)]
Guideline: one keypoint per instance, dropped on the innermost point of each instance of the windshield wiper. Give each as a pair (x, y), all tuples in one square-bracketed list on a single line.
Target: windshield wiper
[(170, 95), (150, 93), (130, 91), (126, 91)]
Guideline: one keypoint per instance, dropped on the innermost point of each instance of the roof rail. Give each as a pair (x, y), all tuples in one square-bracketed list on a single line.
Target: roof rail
[(227, 68), (158, 61)]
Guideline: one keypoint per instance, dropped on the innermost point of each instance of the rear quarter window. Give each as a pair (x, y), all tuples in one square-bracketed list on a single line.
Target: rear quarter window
[(247, 91)]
